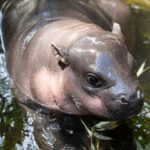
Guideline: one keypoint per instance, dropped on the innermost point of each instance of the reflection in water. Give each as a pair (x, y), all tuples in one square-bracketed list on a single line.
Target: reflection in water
[(23, 128)]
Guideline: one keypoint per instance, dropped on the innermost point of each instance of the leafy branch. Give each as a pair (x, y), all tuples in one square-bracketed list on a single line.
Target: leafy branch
[(97, 130)]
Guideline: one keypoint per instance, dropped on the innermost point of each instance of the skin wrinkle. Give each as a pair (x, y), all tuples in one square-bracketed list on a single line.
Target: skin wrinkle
[(37, 79), (87, 101), (56, 95), (38, 73), (117, 106), (81, 31)]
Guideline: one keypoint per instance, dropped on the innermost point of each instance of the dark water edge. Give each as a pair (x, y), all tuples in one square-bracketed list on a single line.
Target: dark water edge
[(32, 131)]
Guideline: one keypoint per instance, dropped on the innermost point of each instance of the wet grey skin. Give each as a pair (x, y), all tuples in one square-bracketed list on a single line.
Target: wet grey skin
[(68, 56)]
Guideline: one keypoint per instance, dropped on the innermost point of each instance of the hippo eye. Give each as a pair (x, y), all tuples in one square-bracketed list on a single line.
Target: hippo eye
[(94, 80)]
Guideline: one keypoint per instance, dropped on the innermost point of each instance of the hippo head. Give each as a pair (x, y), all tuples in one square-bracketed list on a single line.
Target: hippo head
[(99, 77)]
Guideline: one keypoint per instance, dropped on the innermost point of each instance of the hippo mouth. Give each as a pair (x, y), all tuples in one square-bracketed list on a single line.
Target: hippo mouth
[(114, 112), (125, 112), (76, 102)]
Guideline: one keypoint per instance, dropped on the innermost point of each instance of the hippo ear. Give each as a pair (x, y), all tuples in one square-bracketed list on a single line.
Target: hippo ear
[(61, 55), (117, 29)]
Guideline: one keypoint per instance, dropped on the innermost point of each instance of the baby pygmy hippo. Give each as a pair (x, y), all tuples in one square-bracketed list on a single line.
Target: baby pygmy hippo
[(67, 55)]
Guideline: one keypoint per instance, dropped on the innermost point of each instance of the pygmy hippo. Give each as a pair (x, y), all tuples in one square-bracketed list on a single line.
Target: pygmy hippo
[(70, 56)]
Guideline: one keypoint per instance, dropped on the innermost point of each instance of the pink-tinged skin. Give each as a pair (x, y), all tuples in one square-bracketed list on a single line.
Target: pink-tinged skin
[(59, 91), (53, 63)]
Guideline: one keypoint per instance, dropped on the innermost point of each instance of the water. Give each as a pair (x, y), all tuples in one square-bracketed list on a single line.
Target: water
[(22, 129)]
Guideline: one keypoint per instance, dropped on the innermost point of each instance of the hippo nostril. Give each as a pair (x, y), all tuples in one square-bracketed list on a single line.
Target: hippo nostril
[(123, 100)]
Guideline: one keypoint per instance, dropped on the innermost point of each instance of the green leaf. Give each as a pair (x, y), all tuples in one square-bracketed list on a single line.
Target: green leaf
[(147, 147), (87, 129), (142, 69), (101, 137), (138, 145), (92, 147), (144, 4), (105, 125)]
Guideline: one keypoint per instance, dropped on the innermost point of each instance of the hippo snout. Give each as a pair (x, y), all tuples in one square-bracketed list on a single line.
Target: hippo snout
[(124, 106), (125, 100)]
